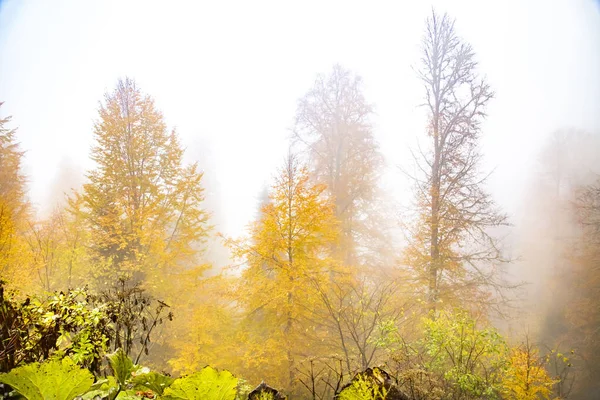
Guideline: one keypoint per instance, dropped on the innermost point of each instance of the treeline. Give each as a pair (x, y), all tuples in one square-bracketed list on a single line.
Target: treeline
[(319, 289)]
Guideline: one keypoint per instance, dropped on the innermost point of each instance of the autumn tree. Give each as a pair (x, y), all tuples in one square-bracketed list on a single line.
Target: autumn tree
[(14, 208), (214, 334), (559, 257), (567, 163), (333, 126), (526, 377), (582, 307), (545, 241), (288, 249), (142, 209), (451, 247), (143, 205)]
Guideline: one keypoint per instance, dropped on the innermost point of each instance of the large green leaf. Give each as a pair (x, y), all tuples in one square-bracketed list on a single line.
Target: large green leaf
[(207, 384), (153, 381), (52, 380), (121, 366)]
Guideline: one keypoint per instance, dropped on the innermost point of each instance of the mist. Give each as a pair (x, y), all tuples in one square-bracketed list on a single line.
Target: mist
[(334, 100)]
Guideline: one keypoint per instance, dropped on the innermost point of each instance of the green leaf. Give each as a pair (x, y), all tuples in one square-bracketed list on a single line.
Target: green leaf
[(95, 393), (55, 380), (128, 395), (207, 384), (100, 384), (105, 388), (121, 366), (153, 381)]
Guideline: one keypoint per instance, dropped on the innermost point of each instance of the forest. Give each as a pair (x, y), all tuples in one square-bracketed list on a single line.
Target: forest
[(331, 292)]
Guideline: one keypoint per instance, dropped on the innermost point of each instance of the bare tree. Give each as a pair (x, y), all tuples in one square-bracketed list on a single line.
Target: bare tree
[(451, 245), (44, 247), (581, 323), (323, 377), (351, 312)]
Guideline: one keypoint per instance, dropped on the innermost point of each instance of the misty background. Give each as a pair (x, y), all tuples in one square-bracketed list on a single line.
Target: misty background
[(228, 75)]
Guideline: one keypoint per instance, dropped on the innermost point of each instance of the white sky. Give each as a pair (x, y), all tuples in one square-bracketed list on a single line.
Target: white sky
[(228, 75)]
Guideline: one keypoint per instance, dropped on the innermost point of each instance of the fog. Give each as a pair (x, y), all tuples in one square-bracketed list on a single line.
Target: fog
[(233, 73), (229, 75)]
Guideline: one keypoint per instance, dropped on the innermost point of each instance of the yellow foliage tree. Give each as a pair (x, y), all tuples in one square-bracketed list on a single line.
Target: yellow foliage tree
[(14, 211), (210, 334), (143, 207), (142, 204), (526, 378), (287, 253)]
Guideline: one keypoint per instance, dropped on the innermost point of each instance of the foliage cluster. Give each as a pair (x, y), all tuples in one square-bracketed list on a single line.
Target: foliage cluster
[(63, 379), (76, 324), (65, 323)]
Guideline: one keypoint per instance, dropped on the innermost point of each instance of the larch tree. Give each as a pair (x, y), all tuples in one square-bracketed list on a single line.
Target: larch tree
[(143, 206), (288, 250), (212, 335), (333, 126), (450, 246), (14, 209)]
